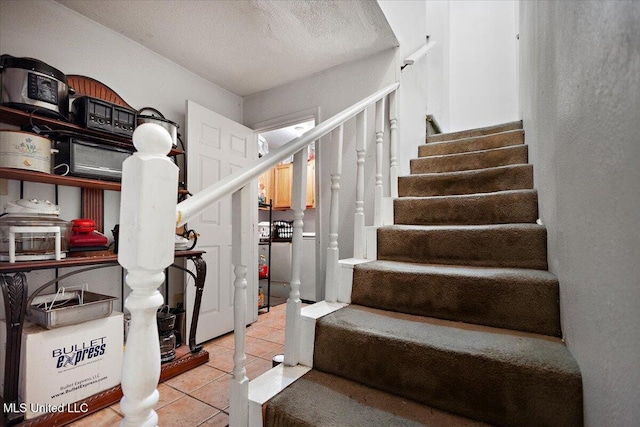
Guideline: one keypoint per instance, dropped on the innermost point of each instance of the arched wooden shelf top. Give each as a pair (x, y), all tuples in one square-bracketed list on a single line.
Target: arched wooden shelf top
[(86, 86)]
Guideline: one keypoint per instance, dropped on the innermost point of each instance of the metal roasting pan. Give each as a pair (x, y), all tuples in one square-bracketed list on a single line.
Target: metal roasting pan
[(67, 309)]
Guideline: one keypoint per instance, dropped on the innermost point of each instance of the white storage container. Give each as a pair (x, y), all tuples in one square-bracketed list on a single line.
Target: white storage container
[(64, 365), (24, 150)]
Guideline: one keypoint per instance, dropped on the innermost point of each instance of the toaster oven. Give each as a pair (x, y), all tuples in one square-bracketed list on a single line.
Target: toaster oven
[(87, 159)]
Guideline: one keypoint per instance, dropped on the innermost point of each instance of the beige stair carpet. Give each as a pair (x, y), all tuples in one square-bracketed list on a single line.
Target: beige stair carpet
[(458, 321)]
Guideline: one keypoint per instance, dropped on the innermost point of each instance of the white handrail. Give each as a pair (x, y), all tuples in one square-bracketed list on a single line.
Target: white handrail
[(418, 54), (190, 207), (148, 213)]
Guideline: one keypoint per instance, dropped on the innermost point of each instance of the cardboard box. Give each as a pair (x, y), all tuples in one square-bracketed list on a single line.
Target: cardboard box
[(61, 366)]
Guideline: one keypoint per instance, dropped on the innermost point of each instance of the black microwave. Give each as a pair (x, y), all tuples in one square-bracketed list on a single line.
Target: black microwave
[(87, 159)]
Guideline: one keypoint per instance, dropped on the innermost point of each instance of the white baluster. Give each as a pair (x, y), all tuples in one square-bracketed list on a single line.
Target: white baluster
[(359, 241), (147, 228), (377, 207), (294, 305), (241, 205), (332, 274), (393, 146)]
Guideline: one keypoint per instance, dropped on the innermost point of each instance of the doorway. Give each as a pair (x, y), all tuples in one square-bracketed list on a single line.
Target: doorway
[(275, 190)]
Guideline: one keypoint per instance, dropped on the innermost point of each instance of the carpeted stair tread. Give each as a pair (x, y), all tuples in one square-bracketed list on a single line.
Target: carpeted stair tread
[(493, 375), (323, 400), (498, 297), (457, 313), (511, 155), (512, 177), (475, 132), (476, 143), (502, 207), (495, 245)]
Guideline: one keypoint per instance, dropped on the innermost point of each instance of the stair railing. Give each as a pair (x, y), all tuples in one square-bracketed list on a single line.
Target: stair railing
[(418, 54), (148, 217)]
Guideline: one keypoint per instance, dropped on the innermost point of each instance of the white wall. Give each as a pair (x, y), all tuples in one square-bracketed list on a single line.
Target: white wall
[(580, 86), (472, 69), (47, 31), (482, 64), (439, 29), (408, 21), (332, 91), (338, 88), (74, 44)]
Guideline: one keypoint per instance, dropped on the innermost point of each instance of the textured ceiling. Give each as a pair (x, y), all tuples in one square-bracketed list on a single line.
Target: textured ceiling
[(279, 137), (248, 46)]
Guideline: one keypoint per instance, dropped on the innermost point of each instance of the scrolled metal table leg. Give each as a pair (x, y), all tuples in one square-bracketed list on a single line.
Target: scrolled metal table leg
[(201, 275), (15, 293)]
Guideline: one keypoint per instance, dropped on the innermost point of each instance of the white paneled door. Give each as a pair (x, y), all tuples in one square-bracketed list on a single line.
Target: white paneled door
[(217, 147)]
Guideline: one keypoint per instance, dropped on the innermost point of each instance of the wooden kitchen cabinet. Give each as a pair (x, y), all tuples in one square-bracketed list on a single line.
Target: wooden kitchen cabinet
[(281, 182), (311, 183), (265, 185), (282, 176)]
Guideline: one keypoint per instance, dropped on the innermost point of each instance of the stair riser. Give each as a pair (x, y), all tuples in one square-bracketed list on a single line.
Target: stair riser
[(471, 385), (474, 132), (491, 208), (492, 247), (502, 301), (472, 144), (518, 154), (519, 177)]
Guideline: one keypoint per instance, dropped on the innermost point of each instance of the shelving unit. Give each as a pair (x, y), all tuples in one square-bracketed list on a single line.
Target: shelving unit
[(27, 120), (188, 356), (269, 207)]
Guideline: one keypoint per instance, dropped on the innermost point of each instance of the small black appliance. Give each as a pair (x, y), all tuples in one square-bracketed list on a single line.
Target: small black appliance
[(98, 114)]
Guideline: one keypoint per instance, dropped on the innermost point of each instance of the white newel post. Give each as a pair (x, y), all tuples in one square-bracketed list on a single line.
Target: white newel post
[(294, 305), (333, 274), (241, 205), (377, 207), (393, 144), (359, 242), (146, 246)]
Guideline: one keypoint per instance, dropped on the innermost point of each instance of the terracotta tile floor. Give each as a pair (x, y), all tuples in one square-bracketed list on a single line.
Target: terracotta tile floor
[(200, 397)]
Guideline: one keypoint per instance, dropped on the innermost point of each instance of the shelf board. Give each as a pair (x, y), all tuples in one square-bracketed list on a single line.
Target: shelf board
[(27, 120), (71, 181), (47, 178), (21, 266)]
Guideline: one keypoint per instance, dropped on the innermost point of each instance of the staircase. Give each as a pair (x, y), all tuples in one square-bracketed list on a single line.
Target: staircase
[(457, 322)]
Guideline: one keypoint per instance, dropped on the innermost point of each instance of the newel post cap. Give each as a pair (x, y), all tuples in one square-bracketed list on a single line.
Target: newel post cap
[(150, 138)]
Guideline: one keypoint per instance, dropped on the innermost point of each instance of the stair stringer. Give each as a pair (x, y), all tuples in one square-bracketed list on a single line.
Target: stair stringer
[(272, 382), (278, 378), (269, 384)]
